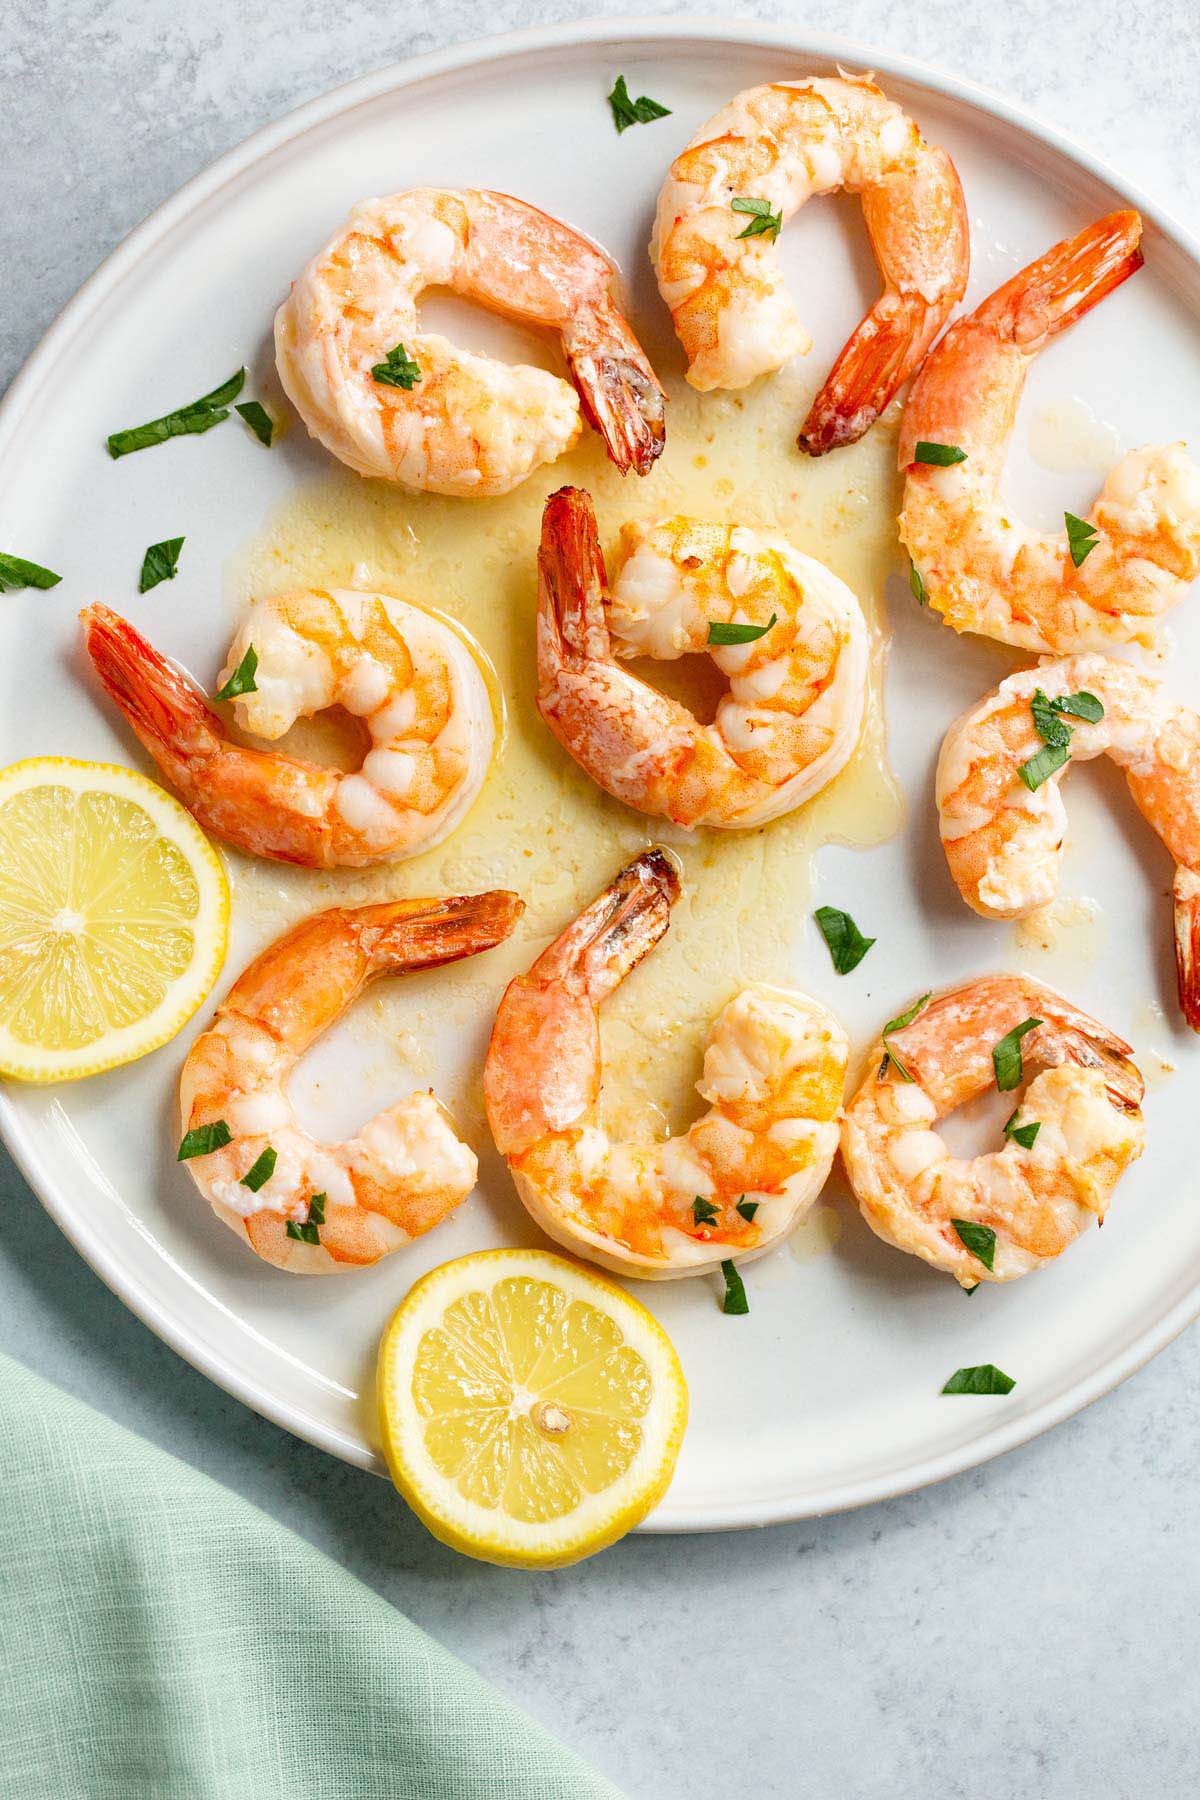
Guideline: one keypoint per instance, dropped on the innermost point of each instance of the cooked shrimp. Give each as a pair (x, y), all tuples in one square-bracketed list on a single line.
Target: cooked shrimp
[(774, 1070), (311, 1207), (1079, 1119), (983, 570), (1004, 840), (797, 693), (718, 265), (408, 676), (448, 420)]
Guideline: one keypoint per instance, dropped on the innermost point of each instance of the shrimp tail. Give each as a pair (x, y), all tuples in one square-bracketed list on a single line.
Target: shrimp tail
[(422, 934), (976, 1015), (572, 579), (1187, 943), (264, 803), (547, 1019), (1090, 1046), (881, 354), (1049, 294), (620, 395), (632, 740), (305, 980), (612, 935), (164, 709)]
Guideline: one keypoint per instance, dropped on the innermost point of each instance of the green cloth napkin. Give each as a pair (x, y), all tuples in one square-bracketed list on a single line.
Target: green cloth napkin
[(161, 1639)]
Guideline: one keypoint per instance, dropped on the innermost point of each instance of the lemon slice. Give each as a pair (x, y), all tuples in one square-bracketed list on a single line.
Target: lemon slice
[(114, 917), (532, 1411)]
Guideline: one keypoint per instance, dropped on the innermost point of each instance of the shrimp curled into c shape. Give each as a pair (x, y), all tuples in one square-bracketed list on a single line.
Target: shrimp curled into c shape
[(797, 693), (982, 569), (774, 1070), (406, 1169), (467, 424), (1004, 843), (1036, 1196), (778, 145), (407, 675)]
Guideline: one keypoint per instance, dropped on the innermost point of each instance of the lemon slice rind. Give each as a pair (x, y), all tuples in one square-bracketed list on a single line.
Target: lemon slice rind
[(489, 1533), (24, 1060)]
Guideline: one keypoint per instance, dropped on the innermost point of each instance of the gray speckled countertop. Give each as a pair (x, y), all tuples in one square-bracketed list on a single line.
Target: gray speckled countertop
[(1026, 1632)]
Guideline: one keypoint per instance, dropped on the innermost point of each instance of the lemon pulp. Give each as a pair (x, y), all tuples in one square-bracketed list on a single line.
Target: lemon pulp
[(113, 917)]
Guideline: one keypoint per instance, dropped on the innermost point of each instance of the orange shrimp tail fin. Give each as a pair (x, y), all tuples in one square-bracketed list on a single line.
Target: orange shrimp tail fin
[(612, 935), (1187, 944), (572, 579), (542, 1072), (621, 398), (166, 712), (1048, 295), (300, 984), (421, 934), (881, 354)]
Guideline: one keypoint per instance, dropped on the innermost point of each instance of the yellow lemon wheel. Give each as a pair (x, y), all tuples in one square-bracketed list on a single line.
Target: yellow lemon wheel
[(114, 918), (531, 1410)]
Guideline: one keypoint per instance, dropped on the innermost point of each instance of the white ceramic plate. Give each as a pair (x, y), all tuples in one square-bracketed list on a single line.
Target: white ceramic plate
[(827, 1395)]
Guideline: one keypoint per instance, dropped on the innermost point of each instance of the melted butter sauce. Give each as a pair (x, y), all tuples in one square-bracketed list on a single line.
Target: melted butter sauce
[(1154, 1063), (1071, 926), (1067, 435), (540, 825)]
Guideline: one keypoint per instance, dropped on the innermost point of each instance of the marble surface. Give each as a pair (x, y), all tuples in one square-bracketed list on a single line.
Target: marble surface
[(1029, 1630)]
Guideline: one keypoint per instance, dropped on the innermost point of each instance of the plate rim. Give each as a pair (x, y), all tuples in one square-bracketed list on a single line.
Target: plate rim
[(122, 260)]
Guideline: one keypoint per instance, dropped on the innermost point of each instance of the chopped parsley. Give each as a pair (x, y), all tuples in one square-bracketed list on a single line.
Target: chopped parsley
[(703, 1212), (1025, 1135), (202, 1140), (242, 680), (627, 112), (258, 419), (721, 633), (735, 1300), (1048, 722), (159, 564), (905, 1018), (747, 1208), (1080, 706), (847, 945), (186, 421), (1055, 733), (1047, 761), (916, 584), (980, 1240), (15, 572), (984, 1378), (261, 1172), (1006, 1056), (941, 456), (305, 1231), (397, 369), (763, 222), (1081, 538)]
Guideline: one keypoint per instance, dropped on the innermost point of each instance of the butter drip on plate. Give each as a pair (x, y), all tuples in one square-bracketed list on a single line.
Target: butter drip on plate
[(540, 825)]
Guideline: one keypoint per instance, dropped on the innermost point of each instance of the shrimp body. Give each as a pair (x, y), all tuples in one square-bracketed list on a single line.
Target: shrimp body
[(407, 675), (780, 144), (1037, 1197), (1004, 843), (466, 424), (406, 1169), (983, 570), (774, 1070), (794, 709)]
